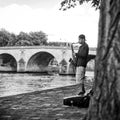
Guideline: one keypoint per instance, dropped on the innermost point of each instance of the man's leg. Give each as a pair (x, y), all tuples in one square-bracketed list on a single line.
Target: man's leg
[(80, 76)]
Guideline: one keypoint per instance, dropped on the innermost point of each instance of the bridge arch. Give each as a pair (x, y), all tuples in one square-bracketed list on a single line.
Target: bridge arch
[(39, 62), (8, 62)]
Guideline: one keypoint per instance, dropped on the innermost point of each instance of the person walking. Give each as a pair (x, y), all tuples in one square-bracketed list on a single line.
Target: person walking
[(81, 61)]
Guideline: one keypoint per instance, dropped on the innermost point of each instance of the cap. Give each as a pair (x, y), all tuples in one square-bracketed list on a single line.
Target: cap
[(82, 36)]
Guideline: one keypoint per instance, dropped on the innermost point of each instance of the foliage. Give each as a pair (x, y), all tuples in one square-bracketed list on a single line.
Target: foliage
[(67, 4), (5, 37), (23, 43), (26, 39), (22, 39), (38, 38), (23, 36), (13, 40)]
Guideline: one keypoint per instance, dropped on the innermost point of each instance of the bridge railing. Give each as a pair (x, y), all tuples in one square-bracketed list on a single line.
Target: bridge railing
[(41, 47)]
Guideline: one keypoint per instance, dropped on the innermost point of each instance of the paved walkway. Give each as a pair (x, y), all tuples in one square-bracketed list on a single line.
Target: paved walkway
[(41, 105)]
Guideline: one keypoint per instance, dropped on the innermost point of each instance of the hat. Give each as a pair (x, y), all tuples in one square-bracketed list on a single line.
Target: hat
[(82, 36)]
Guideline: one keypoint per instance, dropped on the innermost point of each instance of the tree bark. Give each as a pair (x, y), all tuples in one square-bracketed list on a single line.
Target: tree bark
[(105, 102)]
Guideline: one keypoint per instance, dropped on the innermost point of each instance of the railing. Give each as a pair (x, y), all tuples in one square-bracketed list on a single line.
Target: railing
[(41, 47)]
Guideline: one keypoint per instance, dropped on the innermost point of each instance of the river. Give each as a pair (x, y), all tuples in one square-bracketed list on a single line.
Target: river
[(13, 84)]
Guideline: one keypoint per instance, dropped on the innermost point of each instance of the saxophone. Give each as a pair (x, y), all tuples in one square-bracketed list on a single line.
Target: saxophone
[(73, 60)]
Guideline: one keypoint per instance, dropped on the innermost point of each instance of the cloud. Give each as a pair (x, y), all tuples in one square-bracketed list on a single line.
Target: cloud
[(59, 25)]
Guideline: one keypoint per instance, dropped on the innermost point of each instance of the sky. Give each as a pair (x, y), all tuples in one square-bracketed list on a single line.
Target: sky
[(44, 15)]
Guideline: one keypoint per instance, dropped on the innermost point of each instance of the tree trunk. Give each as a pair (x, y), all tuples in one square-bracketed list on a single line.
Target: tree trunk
[(105, 103)]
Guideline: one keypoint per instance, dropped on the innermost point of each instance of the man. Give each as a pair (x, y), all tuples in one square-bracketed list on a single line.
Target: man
[(81, 57)]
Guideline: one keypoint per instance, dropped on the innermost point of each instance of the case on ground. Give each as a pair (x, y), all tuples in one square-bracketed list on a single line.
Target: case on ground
[(78, 100)]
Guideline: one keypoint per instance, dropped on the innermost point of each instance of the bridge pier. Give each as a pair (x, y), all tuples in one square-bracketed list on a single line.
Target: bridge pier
[(21, 65)]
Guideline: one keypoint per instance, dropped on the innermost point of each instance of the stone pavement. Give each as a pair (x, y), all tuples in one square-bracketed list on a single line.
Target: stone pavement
[(41, 105)]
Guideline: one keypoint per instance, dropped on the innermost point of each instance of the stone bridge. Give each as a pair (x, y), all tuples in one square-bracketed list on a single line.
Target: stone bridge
[(37, 58)]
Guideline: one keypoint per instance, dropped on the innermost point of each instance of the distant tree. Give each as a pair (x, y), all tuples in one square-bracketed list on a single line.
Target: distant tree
[(23, 39), (23, 36), (38, 38), (12, 40), (23, 43), (5, 37), (105, 102)]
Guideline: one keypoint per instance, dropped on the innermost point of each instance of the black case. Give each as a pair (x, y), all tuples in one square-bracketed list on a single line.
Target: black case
[(78, 101)]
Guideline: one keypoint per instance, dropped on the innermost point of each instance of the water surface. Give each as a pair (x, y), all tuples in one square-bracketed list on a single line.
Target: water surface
[(12, 84)]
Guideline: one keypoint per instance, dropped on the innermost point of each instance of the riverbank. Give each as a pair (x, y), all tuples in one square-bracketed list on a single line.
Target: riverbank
[(41, 105)]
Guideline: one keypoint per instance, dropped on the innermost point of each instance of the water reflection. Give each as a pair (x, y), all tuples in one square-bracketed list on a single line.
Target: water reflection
[(12, 84)]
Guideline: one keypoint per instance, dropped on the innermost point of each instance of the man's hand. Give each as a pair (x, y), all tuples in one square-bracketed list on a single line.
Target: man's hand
[(74, 54)]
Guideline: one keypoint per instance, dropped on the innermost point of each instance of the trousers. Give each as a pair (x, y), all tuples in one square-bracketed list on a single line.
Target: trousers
[(80, 74)]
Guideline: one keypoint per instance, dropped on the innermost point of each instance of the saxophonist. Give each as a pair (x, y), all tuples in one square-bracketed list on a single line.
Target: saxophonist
[(81, 61)]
